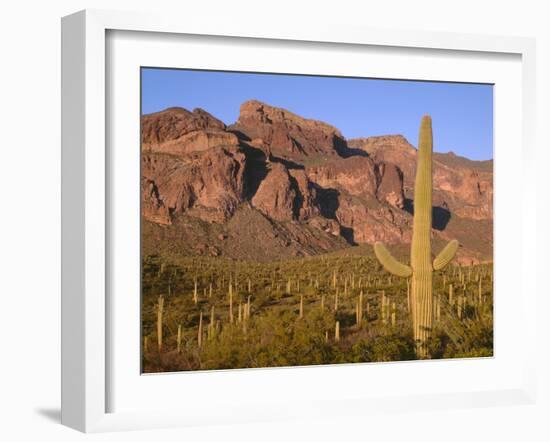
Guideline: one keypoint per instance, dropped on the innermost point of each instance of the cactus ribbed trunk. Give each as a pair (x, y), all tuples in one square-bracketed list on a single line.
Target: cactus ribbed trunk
[(421, 269), (230, 303), (421, 250), (160, 310), (199, 333), (178, 340)]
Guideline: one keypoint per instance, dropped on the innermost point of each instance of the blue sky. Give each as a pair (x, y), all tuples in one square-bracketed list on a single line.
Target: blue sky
[(462, 114)]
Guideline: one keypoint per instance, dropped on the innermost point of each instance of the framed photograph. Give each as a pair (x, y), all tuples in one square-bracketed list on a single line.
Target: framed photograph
[(276, 223)]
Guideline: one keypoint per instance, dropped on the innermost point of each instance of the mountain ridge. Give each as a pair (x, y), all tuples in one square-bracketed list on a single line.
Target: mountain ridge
[(308, 182)]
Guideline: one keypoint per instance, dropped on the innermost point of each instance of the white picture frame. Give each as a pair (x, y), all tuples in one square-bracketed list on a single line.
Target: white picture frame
[(86, 213)]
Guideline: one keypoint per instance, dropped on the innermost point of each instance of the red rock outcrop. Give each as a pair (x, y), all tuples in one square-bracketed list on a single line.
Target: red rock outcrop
[(286, 194), (285, 134), (394, 149), (370, 221), (462, 185), (306, 203), (276, 195), (468, 192), (209, 185), (390, 187), (178, 131), (356, 175), (152, 207)]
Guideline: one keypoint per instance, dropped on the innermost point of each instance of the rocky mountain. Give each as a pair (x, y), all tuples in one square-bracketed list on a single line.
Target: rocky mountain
[(284, 134), (277, 185)]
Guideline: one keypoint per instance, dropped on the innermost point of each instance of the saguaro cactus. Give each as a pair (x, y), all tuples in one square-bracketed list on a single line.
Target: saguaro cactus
[(178, 339), (422, 267), (199, 333), (160, 311)]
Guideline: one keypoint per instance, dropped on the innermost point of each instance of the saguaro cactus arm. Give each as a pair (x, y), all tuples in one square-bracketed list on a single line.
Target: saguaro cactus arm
[(446, 255), (391, 264)]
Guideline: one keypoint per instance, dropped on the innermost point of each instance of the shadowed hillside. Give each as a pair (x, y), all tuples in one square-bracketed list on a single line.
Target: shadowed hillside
[(298, 186)]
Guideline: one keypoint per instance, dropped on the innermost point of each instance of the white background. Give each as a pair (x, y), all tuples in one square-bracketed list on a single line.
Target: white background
[(30, 216)]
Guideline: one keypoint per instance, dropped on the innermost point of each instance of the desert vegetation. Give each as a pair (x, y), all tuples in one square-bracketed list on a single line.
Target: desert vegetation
[(216, 313), (257, 244)]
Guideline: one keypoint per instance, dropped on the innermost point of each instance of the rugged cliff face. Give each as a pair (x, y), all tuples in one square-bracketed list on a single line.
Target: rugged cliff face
[(297, 186), (208, 185), (286, 135), (463, 186)]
